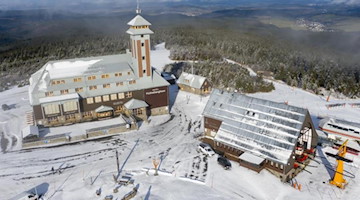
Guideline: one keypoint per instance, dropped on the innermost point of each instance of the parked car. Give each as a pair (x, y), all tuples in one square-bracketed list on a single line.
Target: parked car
[(206, 149), (224, 162)]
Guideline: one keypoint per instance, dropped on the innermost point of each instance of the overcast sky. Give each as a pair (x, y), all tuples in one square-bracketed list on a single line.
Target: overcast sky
[(22, 4)]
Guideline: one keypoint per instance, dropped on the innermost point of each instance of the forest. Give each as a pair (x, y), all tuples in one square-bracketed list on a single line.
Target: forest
[(307, 60)]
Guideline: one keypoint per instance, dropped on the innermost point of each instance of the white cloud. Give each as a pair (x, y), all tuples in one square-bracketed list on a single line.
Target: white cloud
[(349, 2)]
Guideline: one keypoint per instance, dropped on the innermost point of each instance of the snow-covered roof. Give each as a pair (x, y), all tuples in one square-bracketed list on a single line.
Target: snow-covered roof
[(135, 103), (29, 131), (194, 81), (103, 109), (249, 157), (85, 66), (144, 31), (59, 98), (139, 21), (264, 128), (347, 124), (41, 82)]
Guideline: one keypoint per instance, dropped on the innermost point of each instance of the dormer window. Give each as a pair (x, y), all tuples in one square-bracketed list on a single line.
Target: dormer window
[(49, 94), (105, 76)]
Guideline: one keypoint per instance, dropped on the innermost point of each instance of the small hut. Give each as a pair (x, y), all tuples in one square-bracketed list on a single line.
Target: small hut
[(194, 83)]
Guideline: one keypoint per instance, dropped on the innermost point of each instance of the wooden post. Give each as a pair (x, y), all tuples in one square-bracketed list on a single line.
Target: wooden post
[(117, 162)]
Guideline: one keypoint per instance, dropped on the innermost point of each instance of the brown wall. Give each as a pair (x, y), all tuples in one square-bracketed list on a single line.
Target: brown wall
[(147, 52), (140, 68), (38, 112), (90, 107), (157, 97), (212, 124)]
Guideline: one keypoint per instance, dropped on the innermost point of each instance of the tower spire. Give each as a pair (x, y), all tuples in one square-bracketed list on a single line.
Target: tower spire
[(138, 10)]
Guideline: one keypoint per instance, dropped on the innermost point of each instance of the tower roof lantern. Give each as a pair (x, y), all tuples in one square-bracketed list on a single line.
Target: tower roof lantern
[(139, 21)]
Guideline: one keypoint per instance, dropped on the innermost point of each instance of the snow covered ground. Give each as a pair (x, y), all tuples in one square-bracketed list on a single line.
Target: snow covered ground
[(82, 168)]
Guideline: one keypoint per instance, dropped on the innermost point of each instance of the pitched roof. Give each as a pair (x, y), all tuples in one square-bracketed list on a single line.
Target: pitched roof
[(144, 31), (103, 109), (194, 81), (135, 103), (65, 97), (29, 131), (139, 21), (264, 128)]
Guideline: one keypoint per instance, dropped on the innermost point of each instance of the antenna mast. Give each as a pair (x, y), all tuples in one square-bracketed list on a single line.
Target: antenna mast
[(138, 10)]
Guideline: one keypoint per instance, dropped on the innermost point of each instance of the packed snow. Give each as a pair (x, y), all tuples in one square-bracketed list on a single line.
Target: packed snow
[(77, 170)]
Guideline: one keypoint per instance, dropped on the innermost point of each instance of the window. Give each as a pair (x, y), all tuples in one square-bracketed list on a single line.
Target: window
[(271, 163), (93, 87), (98, 99), (79, 89), (113, 97), (142, 35), (118, 74), (87, 114), (49, 94), (142, 44), (105, 76), (91, 78), (71, 116), (106, 85), (137, 111), (121, 95), (119, 108), (77, 79), (276, 165), (70, 106), (90, 100), (143, 57), (119, 84), (128, 73), (64, 91), (128, 94), (281, 166), (132, 82), (53, 119), (106, 98), (51, 109), (57, 82)]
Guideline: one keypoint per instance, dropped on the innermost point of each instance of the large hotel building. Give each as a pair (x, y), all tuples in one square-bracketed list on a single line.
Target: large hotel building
[(84, 89)]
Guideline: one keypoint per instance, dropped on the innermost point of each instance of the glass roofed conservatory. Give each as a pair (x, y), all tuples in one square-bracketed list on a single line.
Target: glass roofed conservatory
[(267, 129)]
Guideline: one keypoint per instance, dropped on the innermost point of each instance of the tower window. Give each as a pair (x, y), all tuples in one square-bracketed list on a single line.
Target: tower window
[(142, 44), (144, 71), (143, 57), (142, 35)]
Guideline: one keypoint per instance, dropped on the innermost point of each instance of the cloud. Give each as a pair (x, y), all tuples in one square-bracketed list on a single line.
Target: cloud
[(348, 2)]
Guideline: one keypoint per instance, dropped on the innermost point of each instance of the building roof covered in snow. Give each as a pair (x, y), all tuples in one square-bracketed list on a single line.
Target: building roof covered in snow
[(30, 131), (264, 128), (68, 70), (194, 81), (139, 21), (135, 103)]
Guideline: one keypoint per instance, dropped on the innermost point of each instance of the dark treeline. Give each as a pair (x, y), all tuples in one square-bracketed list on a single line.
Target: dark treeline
[(311, 64), (297, 65)]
